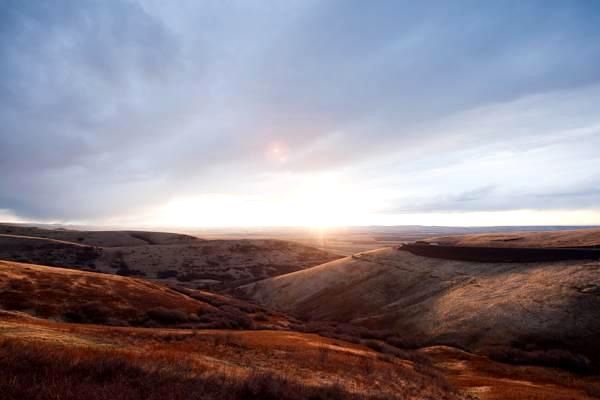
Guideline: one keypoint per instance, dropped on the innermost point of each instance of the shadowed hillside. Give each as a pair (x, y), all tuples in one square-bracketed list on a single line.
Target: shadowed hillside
[(543, 313), (168, 258), (48, 251), (501, 254), (100, 238)]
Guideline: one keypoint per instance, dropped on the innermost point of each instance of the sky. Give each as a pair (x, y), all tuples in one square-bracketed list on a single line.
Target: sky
[(311, 112)]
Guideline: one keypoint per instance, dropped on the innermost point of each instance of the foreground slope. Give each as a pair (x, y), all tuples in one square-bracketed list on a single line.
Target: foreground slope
[(43, 359), (44, 355), (46, 359), (531, 309)]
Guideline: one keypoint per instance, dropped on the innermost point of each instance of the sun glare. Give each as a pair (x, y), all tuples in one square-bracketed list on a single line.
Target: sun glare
[(313, 202), (277, 152)]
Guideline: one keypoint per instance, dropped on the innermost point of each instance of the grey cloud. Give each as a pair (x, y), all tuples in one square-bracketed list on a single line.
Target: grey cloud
[(489, 198), (109, 106)]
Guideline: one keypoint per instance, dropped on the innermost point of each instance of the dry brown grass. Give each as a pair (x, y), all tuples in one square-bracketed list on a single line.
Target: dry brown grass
[(572, 238), (86, 297), (100, 238), (470, 305), (492, 380), (71, 294), (44, 359), (165, 257), (66, 361), (44, 371)]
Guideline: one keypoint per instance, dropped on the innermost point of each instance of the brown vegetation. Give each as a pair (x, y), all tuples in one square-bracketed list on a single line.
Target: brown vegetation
[(470, 305), (42, 359), (87, 297), (489, 380), (571, 238), (100, 238), (48, 251), (115, 337), (46, 371), (165, 257)]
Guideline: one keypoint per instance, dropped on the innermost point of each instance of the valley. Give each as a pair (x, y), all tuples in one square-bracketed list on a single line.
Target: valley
[(265, 318)]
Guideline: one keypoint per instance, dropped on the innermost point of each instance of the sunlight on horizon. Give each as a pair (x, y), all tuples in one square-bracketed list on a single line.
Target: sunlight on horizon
[(319, 202), (329, 210)]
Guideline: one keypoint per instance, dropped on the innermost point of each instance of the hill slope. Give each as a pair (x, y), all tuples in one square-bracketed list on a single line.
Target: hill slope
[(48, 251), (52, 357), (567, 238), (100, 238), (78, 296), (486, 307), (165, 257), (42, 358), (214, 263)]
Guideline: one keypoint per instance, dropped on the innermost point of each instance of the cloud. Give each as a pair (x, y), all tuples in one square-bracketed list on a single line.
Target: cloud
[(109, 108)]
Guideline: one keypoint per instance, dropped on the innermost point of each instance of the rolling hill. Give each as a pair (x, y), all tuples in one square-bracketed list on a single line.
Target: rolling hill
[(45, 359), (44, 354), (72, 334), (88, 297), (99, 238), (164, 257), (64, 333), (543, 313), (565, 238)]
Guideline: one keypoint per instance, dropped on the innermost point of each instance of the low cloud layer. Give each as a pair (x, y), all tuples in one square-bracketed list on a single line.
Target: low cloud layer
[(109, 109)]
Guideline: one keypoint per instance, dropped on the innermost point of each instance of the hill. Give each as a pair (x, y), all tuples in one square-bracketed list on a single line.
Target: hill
[(100, 238), (566, 238), (44, 354), (48, 251), (164, 257), (350, 240), (533, 312), (77, 296), (44, 359), (217, 264)]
